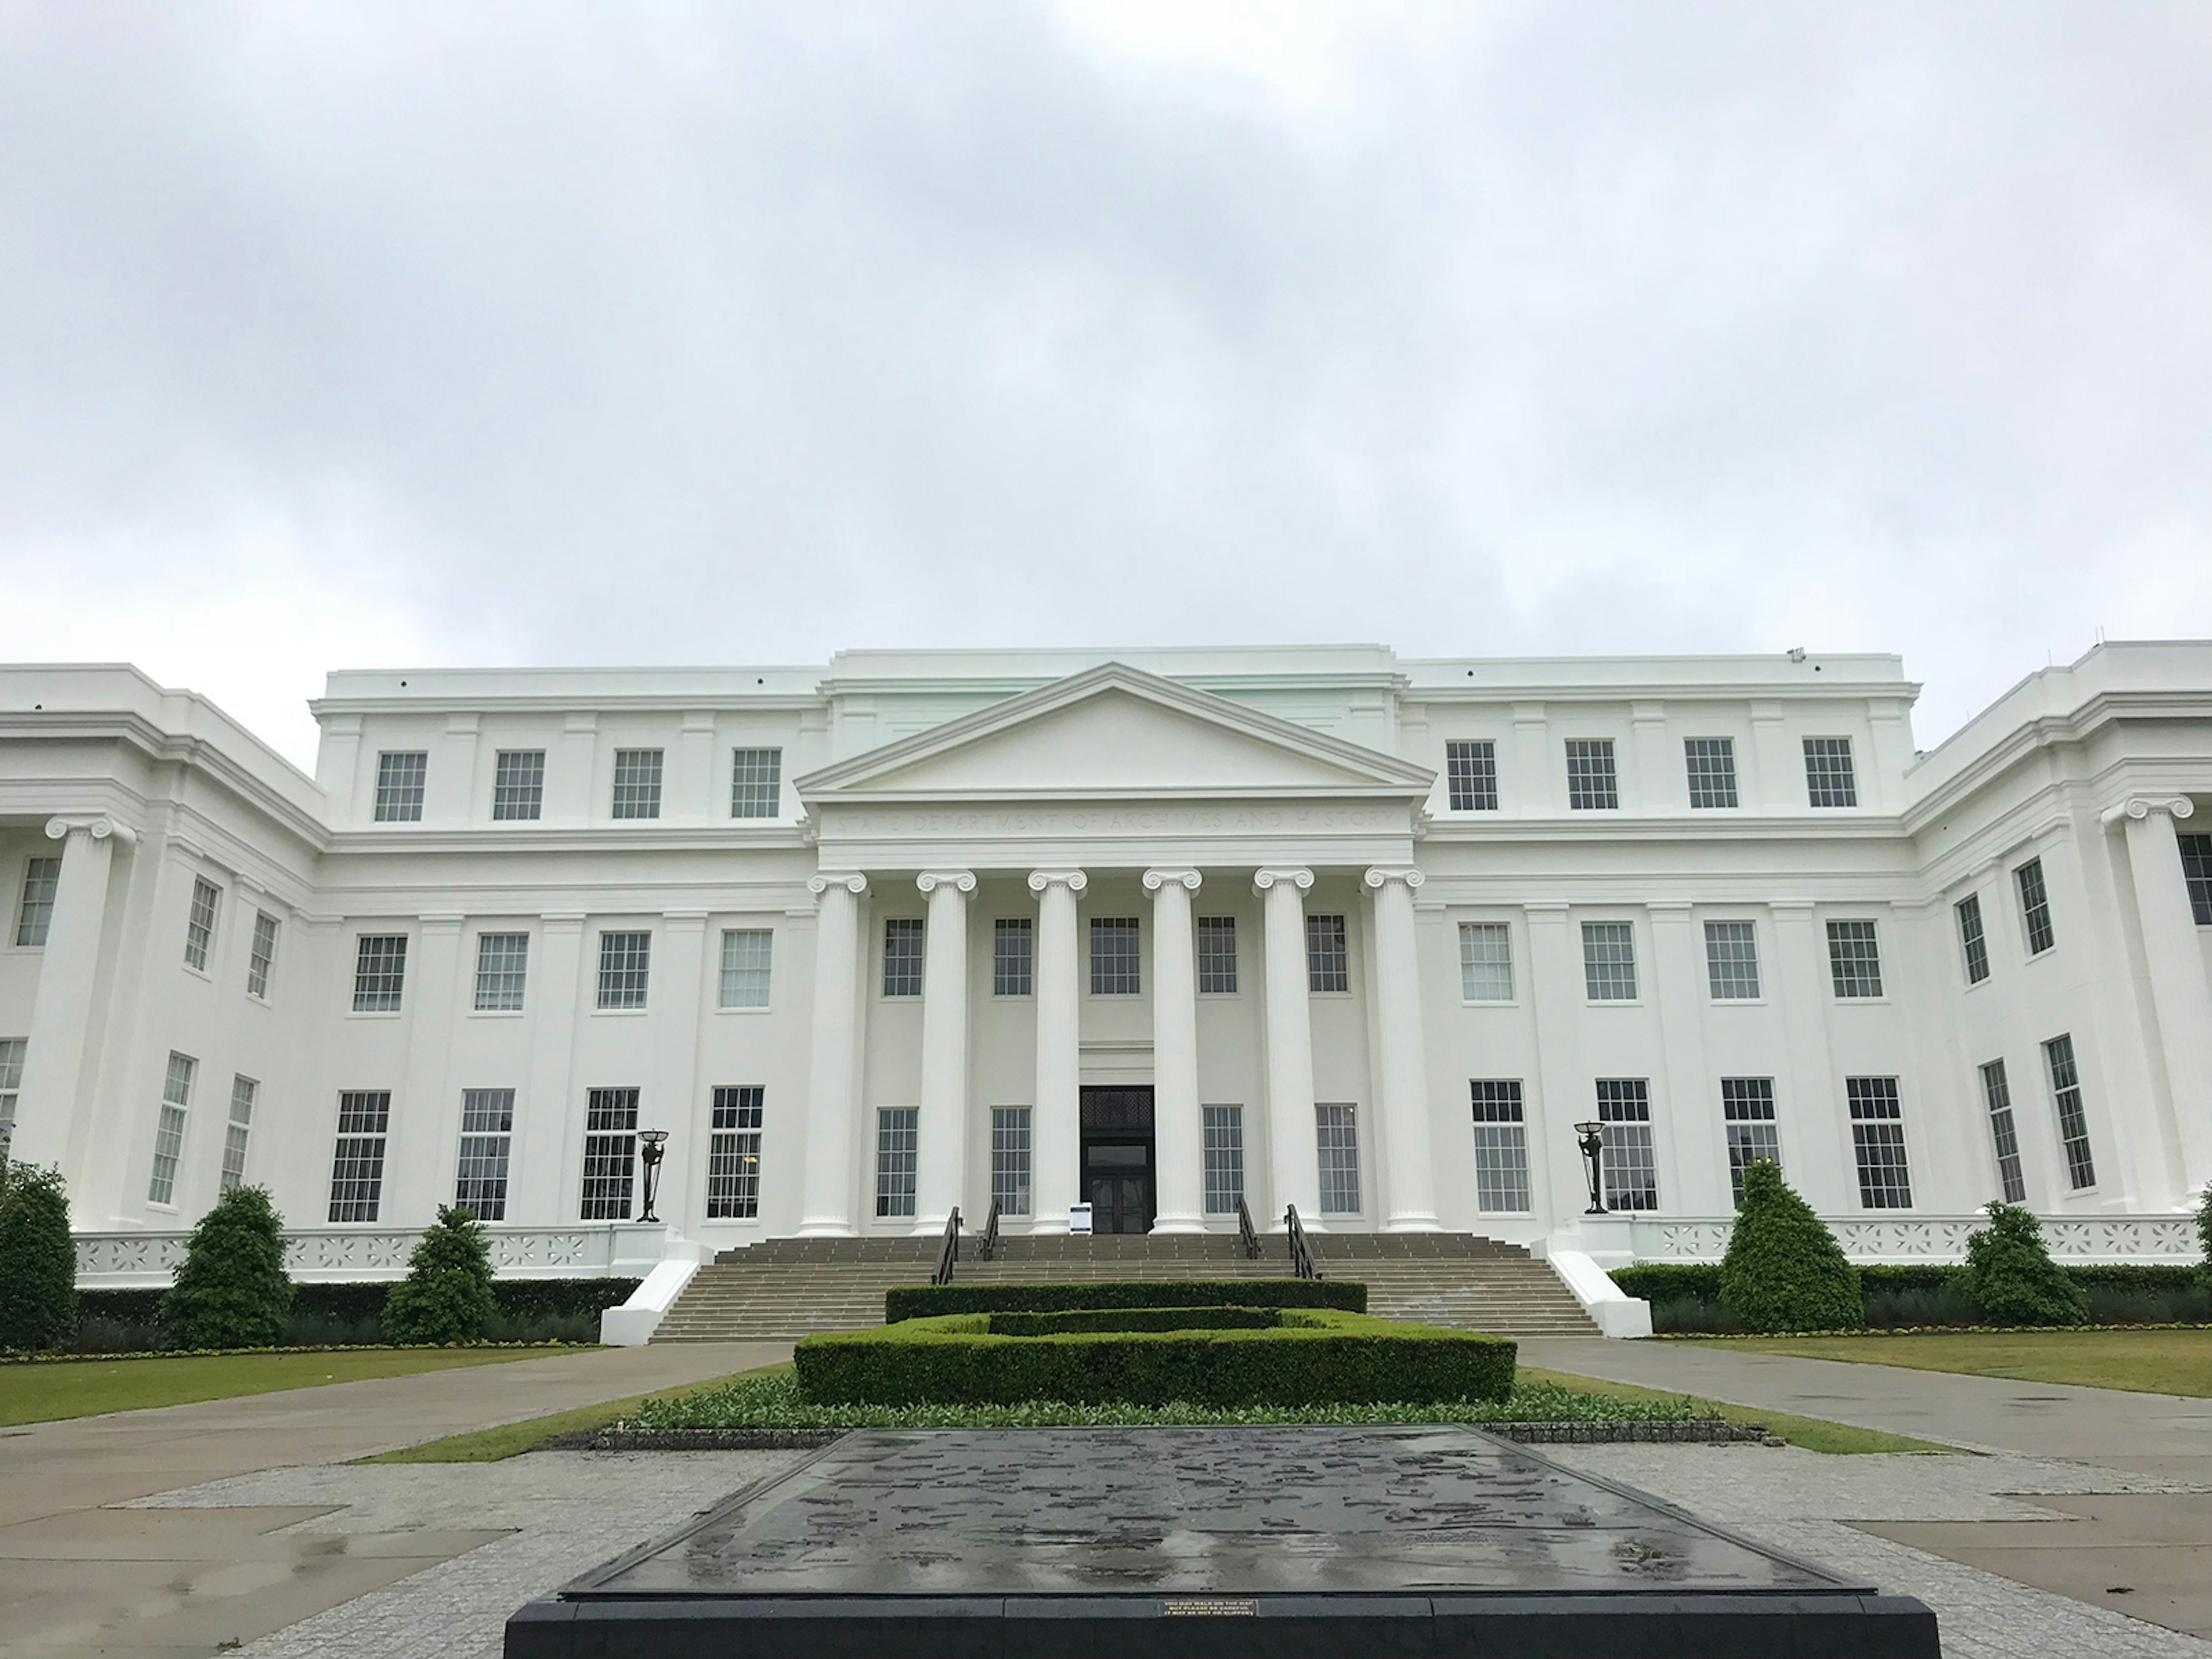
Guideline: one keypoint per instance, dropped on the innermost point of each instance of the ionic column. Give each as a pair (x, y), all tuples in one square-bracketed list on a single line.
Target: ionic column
[(1404, 1068), (1055, 1121), (2179, 990), (830, 1179), (1178, 1140), (61, 1010), (1293, 1157), (941, 1139)]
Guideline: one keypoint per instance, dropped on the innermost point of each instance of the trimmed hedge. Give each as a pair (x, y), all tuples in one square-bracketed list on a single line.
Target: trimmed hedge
[(1134, 1319), (2011, 1277), (1685, 1296), (350, 1314), (1784, 1270), (926, 1301), (1315, 1356)]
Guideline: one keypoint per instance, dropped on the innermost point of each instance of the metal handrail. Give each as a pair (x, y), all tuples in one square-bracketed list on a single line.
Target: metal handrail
[(987, 1249), (949, 1252), (1305, 1263), (1247, 1233)]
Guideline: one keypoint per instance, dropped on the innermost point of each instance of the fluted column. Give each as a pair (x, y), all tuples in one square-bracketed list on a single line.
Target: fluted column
[(2179, 990), (941, 1148), (1055, 1124), (1293, 1157), (1404, 1056), (1178, 1140), (61, 1010), (829, 1175)]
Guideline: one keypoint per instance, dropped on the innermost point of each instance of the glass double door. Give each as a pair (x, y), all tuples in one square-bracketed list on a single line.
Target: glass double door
[(1117, 1159)]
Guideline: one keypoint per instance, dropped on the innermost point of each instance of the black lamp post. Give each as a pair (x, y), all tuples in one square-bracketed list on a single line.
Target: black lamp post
[(653, 1147), (1590, 1137)]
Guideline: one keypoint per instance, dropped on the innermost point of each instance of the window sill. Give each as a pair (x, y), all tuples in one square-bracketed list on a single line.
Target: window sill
[(1861, 1002), (1489, 1002), (496, 1013), (1737, 1002), (198, 973), (619, 1013), (744, 1008), (164, 1209), (374, 1013), (1612, 1002)]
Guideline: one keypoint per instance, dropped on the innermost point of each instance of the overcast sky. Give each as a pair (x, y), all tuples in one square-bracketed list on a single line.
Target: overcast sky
[(337, 336)]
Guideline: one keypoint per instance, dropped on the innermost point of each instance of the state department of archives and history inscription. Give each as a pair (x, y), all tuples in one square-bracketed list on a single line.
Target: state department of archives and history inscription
[(1166, 820)]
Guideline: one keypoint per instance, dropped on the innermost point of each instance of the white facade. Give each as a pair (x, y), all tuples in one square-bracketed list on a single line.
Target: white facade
[(771, 903)]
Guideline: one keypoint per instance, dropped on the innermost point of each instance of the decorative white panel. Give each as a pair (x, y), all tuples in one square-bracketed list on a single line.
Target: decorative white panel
[(1936, 1238), (138, 1261)]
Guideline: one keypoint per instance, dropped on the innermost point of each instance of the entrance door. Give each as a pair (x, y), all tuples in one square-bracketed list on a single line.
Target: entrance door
[(1117, 1159)]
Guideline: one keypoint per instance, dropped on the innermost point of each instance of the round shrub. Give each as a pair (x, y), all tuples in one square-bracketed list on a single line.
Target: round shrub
[(38, 1261), (231, 1290), (2204, 1229), (447, 1296), (2011, 1277), (1784, 1270)]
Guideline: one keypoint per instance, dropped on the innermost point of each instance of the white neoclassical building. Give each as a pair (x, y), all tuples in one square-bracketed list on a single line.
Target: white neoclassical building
[(1154, 931)]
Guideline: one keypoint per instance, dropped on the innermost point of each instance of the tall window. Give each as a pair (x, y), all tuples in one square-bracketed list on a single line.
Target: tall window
[(357, 1161), (518, 784), (1748, 1119), (747, 954), (1486, 961), (502, 972), (610, 1153), (1113, 956), (399, 774), (1471, 775), (1014, 956), (733, 1149), (199, 922), (1972, 939), (895, 1150), (261, 957), (2073, 1121), (169, 1129), (11, 1082), (1878, 1141), (1009, 1158), (2004, 1139), (380, 972), (1223, 1128), (637, 783), (2035, 907), (1732, 961), (2197, 876), (755, 783), (1609, 961), (903, 957), (1216, 956), (1712, 764), (1328, 958), (1337, 1134), (487, 1136), (42, 878), (1628, 1167), (1501, 1147), (1592, 784), (1829, 779), (625, 967), (1854, 959), (244, 1091)]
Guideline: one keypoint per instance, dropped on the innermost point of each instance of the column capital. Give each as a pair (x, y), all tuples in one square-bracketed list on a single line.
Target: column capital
[(1380, 875), (2137, 807), (99, 826), (1156, 879), (961, 881), (1074, 880), (851, 880), (1296, 876)]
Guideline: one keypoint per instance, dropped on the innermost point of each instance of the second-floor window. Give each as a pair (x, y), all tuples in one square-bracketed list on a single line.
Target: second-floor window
[(42, 879), (1114, 960), (747, 956), (2197, 876), (1328, 958), (1486, 961), (1216, 956), (1972, 940), (199, 922), (1471, 775), (2035, 907), (1854, 958), (637, 783), (1732, 961), (380, 972), (399, 774), (518, 784), (502, 972), (1012, 956), (903, 957), (1592, 784), (1609, 961), (261, 960), (625, 965)]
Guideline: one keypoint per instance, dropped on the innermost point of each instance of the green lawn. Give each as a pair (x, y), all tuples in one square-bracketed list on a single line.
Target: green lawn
[(1813, 1433), (493, 1445), (2150, 1362)]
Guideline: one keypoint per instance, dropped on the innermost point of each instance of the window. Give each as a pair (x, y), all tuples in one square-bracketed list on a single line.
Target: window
[(1628, 1168), (610, 1153), (243, 1091), (903, 957), (1592, 784), (2073, 1122), (42, 878), (746, 955), (199, 922), (380, 972), (1113, 956), (895, 1147), (733, 1150), (2003, 1138), (357, 1162), (1878, 1140), (1747, 1120), (1609, 961), (625, 965), (637, 783), (755, 783), (2196, 874), (1829, 780), (518, 784), (487, 1134), (1712, 764), (1010, 1159), (1972, 939), (2035, 907), (503, 971), (1329, 962), (1732, 961), (1338, 1137), (169, 1129), (1223, 1129), (12, 1083), (1012, 956), (1854, 959), (1216, 956), (1486, 961), (399, 774), (1471, 775), (1501, 1147), (261, 957)]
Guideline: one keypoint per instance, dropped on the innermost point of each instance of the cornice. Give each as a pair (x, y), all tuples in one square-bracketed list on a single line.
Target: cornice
[(636, 838), (2043, 732)]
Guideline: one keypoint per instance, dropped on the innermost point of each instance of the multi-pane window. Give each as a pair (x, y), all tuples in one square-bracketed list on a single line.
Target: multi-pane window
[(1829, 779), (2004, 1138), (1711, 764), (903, 957), (518, 784), (1217, 955), (1328, 957), (502, 972), (1486, 961), (357, 1160), (1337, 1136), (1593, 785), (1113, 956), (2197, 876), (1732, 961), (1628, 1166), (199, 922), (1010, 1159), (1471, 775), (42, 878), (610, 1153), (12, 1083), (1014, 956), (896, 1131), (733, 1149), (244, 1091), (1972, 939), (487, 1136), (625, 969), (399, 774), (380, 972), (2034, 907), (637, 783), (1747, 1120), (1878, 1142), (1501, 1146), (2073, 1121), (747, 954), (1609, 961), (1223, 1129), (169, 1129), (261, 956), (755, 783), (1854, 959)]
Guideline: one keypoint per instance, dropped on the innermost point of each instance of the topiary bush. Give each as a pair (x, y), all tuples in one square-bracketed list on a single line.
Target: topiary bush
[(1784, 1270), (447, 1296), (231, 1290), (2011, 1277), (2204, 1229), (38, 1261)]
